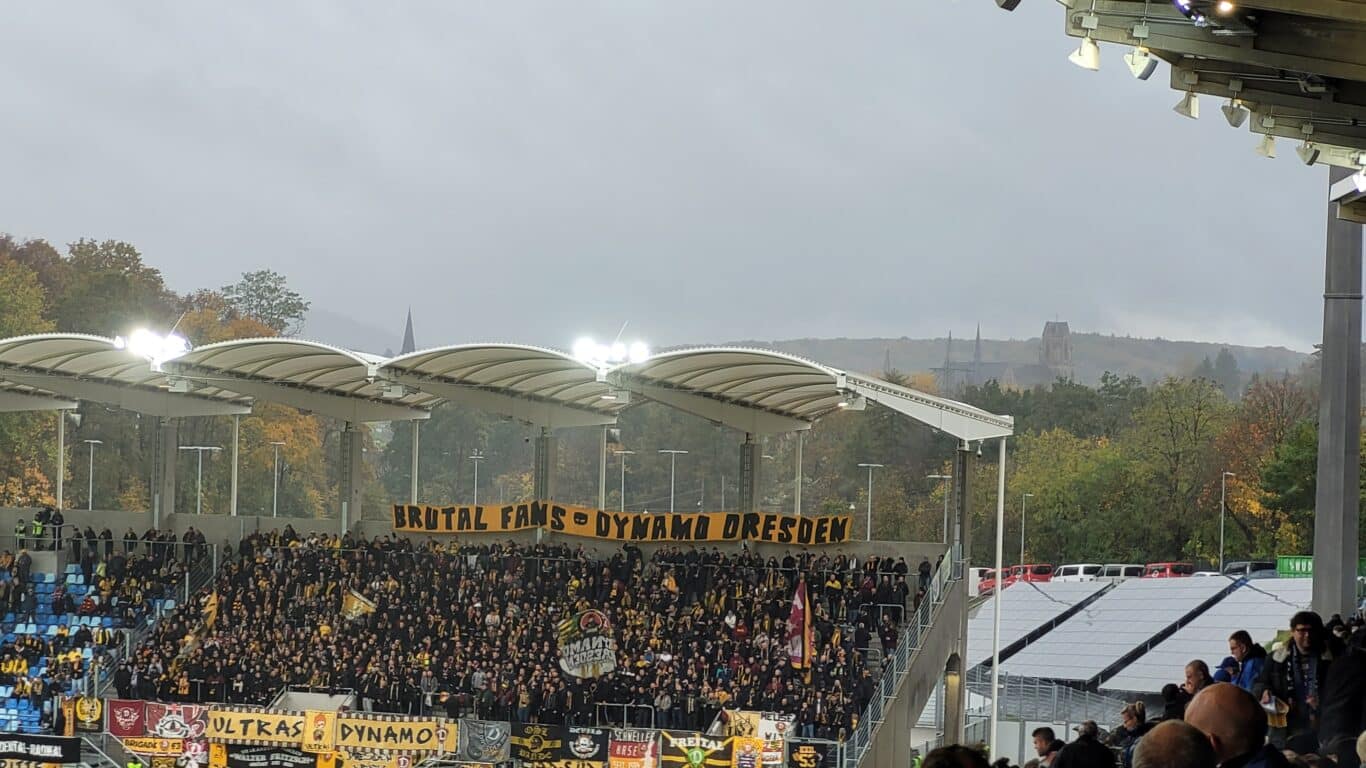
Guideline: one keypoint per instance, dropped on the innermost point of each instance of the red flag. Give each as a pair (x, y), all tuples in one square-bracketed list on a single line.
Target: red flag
[(799, 630)]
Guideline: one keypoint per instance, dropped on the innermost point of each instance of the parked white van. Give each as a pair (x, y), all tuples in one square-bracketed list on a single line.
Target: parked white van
[(1078, 572), (1118, 571)]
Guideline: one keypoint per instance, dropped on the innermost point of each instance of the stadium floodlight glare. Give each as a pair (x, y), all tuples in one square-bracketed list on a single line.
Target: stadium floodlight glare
[(586, 350), (1141, 63), (1267, 147), (1224, 7), (1188, 106), (153, 346), (1234, 112), (1087, 55), (1309, 153)]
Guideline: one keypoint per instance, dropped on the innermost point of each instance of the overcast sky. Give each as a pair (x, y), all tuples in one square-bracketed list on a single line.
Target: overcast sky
[(535, 171)]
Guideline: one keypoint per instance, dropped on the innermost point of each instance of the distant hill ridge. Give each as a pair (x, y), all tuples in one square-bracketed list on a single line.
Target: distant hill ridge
[(1092, 354)]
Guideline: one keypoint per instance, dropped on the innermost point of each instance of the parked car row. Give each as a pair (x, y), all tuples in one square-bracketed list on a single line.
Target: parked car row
[(1041, 572)]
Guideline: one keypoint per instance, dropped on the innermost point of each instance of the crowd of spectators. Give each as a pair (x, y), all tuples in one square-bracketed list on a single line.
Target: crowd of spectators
[(121, 584), (472, 630), (1303, 704)]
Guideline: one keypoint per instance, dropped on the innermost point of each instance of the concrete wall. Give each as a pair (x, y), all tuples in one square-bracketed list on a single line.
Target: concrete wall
[(893, 741)]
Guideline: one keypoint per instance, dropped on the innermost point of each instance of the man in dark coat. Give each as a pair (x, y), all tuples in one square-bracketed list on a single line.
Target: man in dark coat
[(1297, 674), (1086, 751)]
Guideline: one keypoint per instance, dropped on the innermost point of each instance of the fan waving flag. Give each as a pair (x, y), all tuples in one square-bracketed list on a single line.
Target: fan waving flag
[(799, 633)]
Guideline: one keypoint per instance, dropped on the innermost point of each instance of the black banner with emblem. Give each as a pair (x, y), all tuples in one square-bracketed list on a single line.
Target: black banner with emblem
[(482, 741), (89, 714), (535, 743), (269, 756), (810, 755), (40, 749), (585, 744)]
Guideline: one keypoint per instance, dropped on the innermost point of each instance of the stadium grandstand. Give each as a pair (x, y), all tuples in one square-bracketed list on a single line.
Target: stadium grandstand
[(678, 623)]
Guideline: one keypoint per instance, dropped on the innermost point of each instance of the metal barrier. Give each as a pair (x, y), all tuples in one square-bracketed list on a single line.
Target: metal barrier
[(626, 709), (897, 666), (1031, 698)]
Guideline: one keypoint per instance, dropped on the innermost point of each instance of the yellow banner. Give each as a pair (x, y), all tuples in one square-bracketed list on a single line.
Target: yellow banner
[(151, 745), (268, 727), (218, 755), (614, 526), (320, 731), (395, 735)]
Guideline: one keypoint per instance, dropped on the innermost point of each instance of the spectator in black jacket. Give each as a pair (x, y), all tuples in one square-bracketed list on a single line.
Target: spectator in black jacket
[(1344, 704), (1297, 674)]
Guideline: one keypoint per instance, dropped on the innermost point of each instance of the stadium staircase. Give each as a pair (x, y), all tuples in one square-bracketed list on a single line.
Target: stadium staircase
[(910, 675)]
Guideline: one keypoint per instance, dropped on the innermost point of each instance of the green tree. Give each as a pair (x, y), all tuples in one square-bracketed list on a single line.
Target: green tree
[(264, 296), (110, 291), (1226, 374)]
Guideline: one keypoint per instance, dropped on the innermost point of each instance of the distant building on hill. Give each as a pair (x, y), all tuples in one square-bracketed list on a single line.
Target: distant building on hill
[(1055, 361)]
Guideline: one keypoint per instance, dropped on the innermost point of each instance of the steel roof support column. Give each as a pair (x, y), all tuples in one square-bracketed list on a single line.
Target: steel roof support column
[(751, 460), (543, 475), (352, 470), (1336, 511), (232, 496), (412, 474), (61, 457), (164, 466), (959, 556)]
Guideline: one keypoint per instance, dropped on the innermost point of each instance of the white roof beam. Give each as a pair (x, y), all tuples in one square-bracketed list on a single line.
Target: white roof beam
[(341, 407), (958, 419), (741, 417), (526, 409), (150, 402), (15, 402)]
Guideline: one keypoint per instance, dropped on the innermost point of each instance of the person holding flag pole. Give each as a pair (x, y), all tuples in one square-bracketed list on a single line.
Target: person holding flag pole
[(800, 631)]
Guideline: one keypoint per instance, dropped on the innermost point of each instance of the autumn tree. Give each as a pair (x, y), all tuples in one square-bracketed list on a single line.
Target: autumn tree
[(265, 296)]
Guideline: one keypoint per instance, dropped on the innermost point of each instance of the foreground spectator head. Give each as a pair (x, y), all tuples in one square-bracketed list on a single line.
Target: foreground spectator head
[(1230, 718), (1045, 741), (1174, 744), (1088, 730), (1361, 747), (955, 756), (1134, 714), (1306, 630), (1197, 676)]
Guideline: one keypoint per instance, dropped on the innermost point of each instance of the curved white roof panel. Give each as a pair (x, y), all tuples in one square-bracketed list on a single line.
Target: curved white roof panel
[(542, 386), (94, 368), (305, 374)]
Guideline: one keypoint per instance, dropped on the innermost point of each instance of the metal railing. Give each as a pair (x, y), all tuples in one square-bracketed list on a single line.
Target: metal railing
[(626, 709), (897, 665), (1031, 698)]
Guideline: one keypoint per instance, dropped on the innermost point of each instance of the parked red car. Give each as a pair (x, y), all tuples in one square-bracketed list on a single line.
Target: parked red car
[(987, 582), (1167, 570), (1034, 573)]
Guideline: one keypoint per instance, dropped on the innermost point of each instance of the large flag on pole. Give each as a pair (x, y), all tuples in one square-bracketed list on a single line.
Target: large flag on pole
[(799, 630)]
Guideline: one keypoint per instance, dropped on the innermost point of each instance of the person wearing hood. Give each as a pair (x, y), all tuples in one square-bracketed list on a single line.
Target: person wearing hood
[(1250, 659)]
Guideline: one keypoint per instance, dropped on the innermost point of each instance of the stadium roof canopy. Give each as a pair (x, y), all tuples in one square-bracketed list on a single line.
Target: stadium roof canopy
[(1298, 66), (754, 390), (51, 370)]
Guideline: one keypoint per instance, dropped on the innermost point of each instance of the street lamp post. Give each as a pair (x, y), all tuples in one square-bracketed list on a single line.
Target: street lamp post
[(90, 475), (1223, 492), (623, 453), (275, 483), (476, 457), (673, 455), (199, 473), (1022, 523), (946, 479), (869, 523)]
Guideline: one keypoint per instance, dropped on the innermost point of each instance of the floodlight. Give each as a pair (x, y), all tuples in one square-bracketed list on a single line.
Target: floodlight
[(1309, 153), (1188, 106), (1234, 112), (153, 346), (1267, 147), (639, 352), (1087, 55), (1141, 63), (583, 349), (1224, 6), (1007, 5)]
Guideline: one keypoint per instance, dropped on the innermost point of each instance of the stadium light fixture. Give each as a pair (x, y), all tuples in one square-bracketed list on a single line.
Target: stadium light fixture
[(1188, 106), (1141, 63), (586, 350), (1234, 112), (1267, 147), (1087, 55), (1309, 153), (153, 346)]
